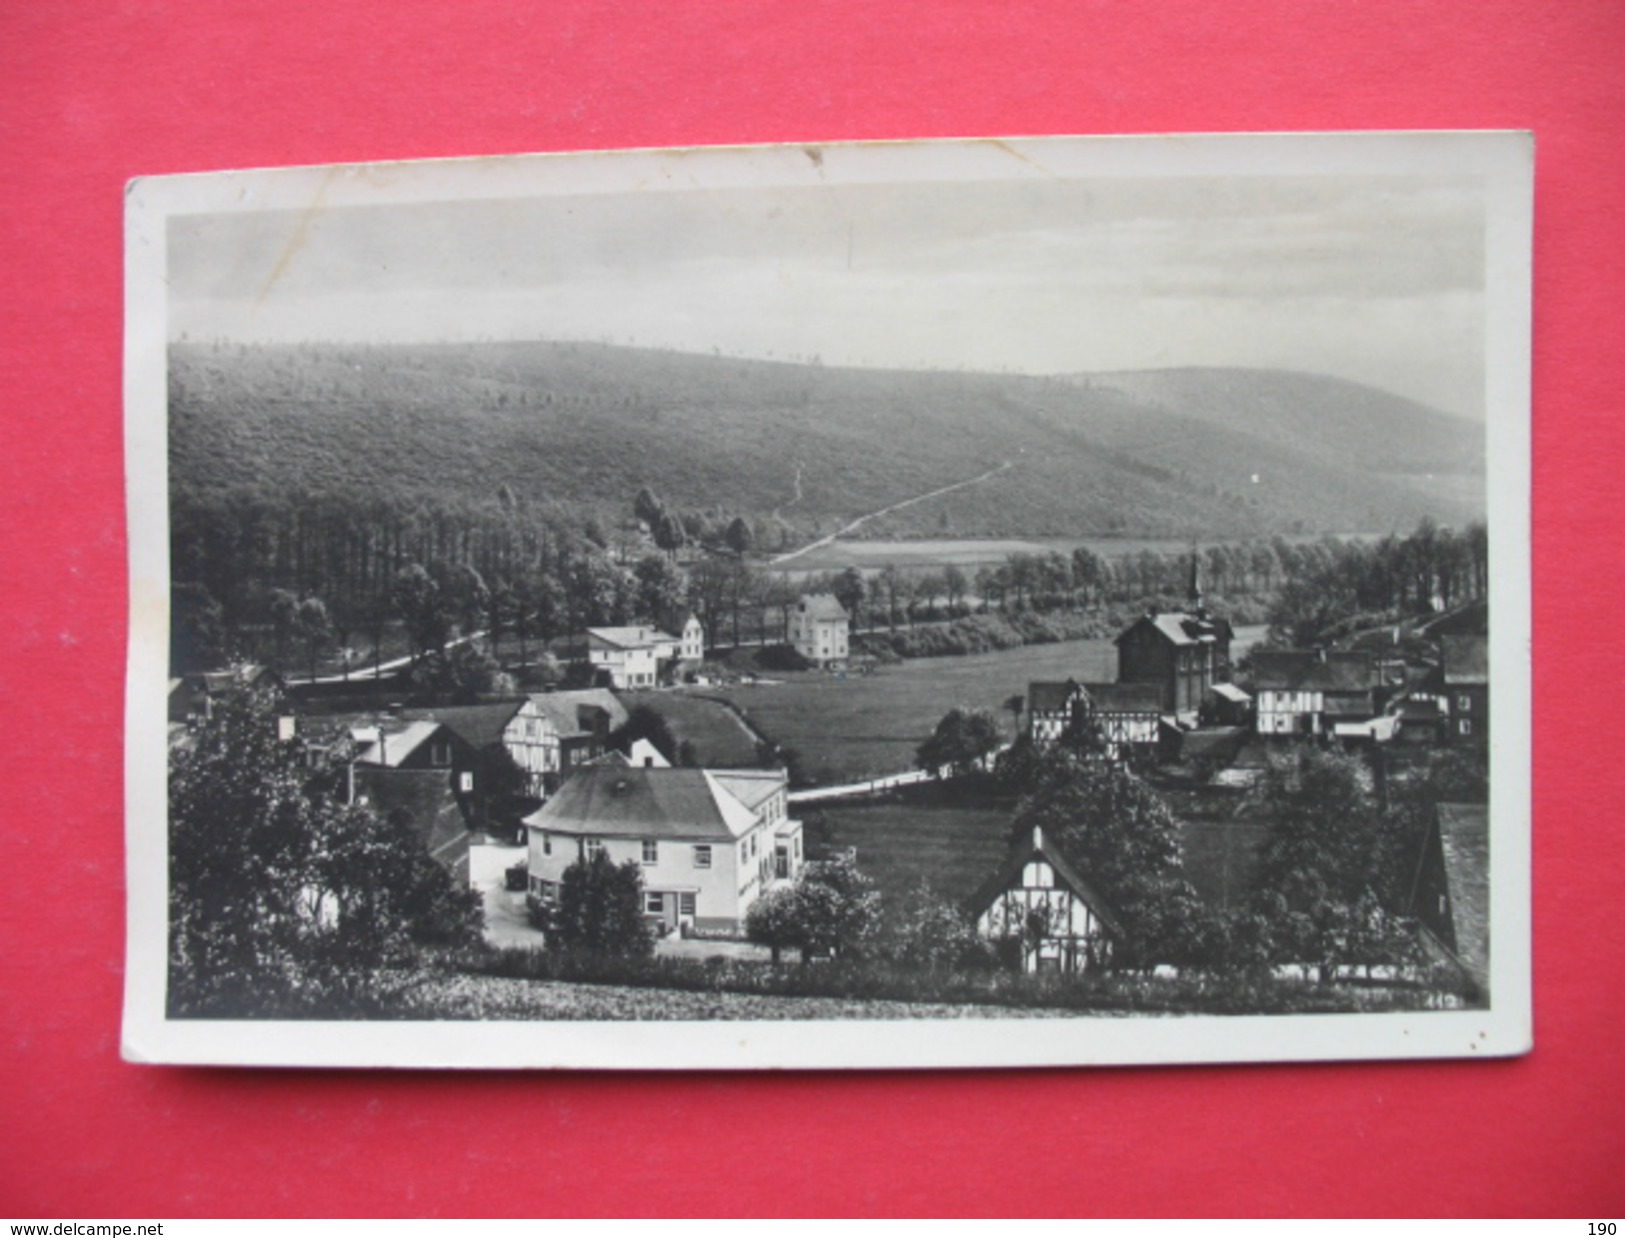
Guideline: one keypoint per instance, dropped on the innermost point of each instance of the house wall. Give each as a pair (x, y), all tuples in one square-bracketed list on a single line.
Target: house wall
[(1076, 941), (1469, 705), (533, 743), (628, 668), (820, 640), (1289, 713), (717, 889)]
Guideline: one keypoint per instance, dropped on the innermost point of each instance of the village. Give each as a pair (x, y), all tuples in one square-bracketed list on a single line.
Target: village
[(616, 769)]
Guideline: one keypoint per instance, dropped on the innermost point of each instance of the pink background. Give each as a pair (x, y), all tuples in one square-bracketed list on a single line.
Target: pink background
[(91, 94)]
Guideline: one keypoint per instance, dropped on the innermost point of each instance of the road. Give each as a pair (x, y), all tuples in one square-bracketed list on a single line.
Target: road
[(861, 520), (374, 672)]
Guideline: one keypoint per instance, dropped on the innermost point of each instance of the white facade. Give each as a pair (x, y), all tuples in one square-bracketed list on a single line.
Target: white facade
[(820, 629), (1058, 931), (1289, 713), (702, 873)]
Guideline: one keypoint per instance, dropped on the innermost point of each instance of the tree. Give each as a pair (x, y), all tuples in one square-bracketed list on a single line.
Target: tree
[(197, 629), (1117, 832), (850, 590), (923, 931), (600, 909), (954, 585), (314, 629), (417, 599), (963, 740), (277, 888), (739, 536), (1322, 859), (832, 908), (669, 534), (774, 921), (648, 508), (659, 587), (645, 722)]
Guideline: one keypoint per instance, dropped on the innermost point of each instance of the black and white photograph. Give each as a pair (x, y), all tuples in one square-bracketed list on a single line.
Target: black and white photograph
[(954, 603)]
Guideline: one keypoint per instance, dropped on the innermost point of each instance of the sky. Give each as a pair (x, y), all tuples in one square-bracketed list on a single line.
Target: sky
[(1375, 279)]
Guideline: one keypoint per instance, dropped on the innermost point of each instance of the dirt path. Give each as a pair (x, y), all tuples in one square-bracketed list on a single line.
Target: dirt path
[(885, 511)]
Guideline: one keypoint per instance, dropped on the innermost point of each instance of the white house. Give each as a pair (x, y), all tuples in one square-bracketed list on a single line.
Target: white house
[(1039, 906), (632, 655), (709, 841), (820, 629)]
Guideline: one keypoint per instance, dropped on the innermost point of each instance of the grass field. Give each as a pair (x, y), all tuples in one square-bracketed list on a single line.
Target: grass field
[(868, 725), (898, 841)]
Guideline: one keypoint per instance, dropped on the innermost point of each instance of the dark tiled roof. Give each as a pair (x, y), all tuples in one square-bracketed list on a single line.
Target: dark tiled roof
[(1180, 627), (822, 606), (479, 725), (1125, 698), (1465, 837), (632, 637), (570, 712), (1466, 659), (1221, 743), (642, 802), (1049, 698), (1303, 670), (1024, 850)]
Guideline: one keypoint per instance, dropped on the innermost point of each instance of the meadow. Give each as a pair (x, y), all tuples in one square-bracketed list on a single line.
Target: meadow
[(863, 726), (923, 833)]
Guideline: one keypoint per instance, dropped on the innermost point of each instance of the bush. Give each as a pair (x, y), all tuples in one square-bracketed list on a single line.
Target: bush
[(781, 658)]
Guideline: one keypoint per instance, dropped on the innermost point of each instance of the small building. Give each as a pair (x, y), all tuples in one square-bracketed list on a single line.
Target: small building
[(709, 842), (1450, 893), (1127, 714), (820, 629), (1226, 705), (582, 720), (1464, 668), (1050, 709), (631, 657), (517, 729), (1310, 691), (1043, 913), (1182, 652)]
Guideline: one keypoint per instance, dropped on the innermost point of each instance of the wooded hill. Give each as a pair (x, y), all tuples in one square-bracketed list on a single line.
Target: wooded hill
[(586, 425)]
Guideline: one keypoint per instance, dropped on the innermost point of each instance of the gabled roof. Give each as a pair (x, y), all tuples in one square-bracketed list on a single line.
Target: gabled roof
[(566, 710), (396, 745), (479, 725), (1305, 670), (821, 606), (1124, 698), (1180, 627), (1465, 660), (1047, 698), (1035, 844), (616, 801), (643, 637), (752, 787)]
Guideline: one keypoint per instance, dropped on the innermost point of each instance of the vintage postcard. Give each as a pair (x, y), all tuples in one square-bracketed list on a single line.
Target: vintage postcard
[(963, 603)]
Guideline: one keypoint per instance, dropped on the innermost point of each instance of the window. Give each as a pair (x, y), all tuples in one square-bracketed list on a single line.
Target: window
[(1466, 726), (594, 846), (651, 851), (440, 753), (654, 903), (1464, 703), (798, 846), (702, 855), (465, 781), (547, 843), (685, 904)]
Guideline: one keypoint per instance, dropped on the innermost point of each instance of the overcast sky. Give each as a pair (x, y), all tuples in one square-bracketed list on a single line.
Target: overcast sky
[(1380, 280)]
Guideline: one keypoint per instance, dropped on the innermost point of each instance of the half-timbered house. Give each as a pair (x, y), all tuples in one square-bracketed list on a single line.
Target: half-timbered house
[(1040, 909)]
